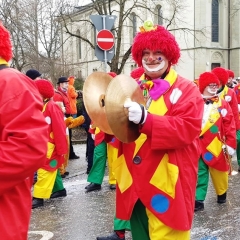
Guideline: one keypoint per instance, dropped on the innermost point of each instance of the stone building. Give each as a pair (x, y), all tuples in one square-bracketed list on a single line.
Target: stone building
[(206, 30)]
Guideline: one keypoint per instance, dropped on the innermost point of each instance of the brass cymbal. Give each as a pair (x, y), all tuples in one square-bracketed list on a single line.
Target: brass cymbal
[(119, 89), (94, 90)]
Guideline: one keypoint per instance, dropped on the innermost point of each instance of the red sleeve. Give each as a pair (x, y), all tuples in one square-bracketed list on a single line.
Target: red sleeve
[(57, 97), (59, 129), (24, 131), (234, 105), (229, 126)]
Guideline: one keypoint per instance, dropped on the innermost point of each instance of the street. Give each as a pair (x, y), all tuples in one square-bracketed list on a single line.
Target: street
[(84, 216)]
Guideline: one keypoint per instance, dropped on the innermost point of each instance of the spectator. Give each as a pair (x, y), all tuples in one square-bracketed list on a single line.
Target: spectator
[(33, 74), (23, 144), (72, 95), (62, 97)]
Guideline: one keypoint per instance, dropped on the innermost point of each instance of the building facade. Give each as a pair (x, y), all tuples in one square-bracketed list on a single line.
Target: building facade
[(207, 32)]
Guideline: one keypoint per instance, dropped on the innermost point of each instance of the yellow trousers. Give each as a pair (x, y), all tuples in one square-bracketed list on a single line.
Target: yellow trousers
[(158, 230), (44, 185), (111, 156), (146, 226)]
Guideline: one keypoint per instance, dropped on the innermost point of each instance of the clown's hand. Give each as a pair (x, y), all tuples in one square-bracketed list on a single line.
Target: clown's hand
[(136, 112), (228, 149)]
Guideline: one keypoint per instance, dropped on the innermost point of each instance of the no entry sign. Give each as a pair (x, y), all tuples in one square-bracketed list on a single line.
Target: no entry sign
[(105, 39)]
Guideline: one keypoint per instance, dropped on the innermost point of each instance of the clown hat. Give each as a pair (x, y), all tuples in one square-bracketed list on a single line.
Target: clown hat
[(155, 38), (5, 44), (45, 88), (222, 75), (207, 78)]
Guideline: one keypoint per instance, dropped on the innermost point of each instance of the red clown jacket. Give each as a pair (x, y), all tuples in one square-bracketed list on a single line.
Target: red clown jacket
[(229, 96), (57, 142), (218, 129), (23, 149), (160, 167)]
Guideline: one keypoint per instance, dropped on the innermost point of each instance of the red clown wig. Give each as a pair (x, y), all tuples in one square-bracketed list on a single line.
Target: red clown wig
[(45, 88), (230, 73), (155, 38), (205, 79), (5, 44), (222, 75)]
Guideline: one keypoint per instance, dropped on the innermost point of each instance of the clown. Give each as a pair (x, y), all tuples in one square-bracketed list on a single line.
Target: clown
[(46, 186), (229, 96), (23, 143), (218, 133), (157, 174)]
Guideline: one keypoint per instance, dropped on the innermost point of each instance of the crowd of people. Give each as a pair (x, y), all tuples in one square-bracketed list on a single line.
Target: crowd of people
[(189, 130)]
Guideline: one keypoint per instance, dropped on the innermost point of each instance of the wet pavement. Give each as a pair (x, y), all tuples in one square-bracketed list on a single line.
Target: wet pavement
[(84, 216)]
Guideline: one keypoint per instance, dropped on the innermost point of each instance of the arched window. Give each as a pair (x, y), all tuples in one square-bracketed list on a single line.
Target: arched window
[(215, 21), (79, 46), (133, 30)]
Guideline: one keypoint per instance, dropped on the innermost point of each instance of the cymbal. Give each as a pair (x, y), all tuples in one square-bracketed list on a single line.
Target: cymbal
[(94, 90), (119, 89)]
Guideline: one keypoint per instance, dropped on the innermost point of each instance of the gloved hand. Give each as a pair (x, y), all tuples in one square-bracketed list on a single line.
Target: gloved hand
[(68, 121), (136, 112), (229, 149), (77, 122)]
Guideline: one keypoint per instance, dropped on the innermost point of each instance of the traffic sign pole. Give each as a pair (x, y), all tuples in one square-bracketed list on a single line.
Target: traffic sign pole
[(103, 52)]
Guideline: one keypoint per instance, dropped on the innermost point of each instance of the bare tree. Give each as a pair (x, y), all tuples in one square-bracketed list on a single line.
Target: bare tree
[(35, 34), (124, 15)]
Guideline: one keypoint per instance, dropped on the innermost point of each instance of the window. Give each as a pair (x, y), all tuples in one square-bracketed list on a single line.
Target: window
[(159, 15), (133, 24), (214, 65), (215, 21), (79, 46)]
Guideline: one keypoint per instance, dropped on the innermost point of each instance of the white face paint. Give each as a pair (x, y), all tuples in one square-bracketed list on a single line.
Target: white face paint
[(212, 90), (154, 63), (64, 86), (155, 69)]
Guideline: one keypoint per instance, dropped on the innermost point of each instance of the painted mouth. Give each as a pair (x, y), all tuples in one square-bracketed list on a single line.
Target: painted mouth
[(157, 68)]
